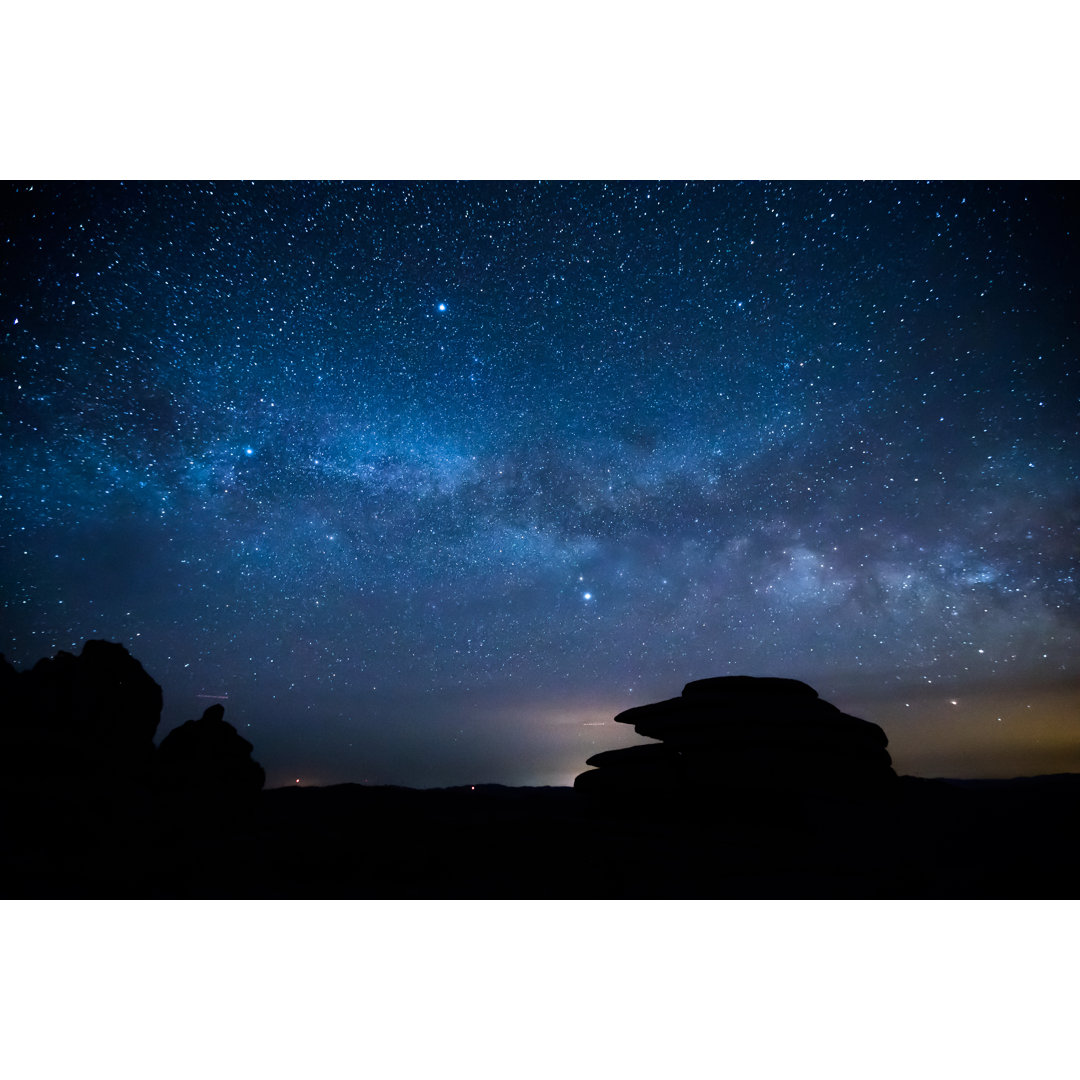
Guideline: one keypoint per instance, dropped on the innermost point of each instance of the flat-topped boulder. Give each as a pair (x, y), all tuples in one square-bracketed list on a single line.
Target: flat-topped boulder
[(737, 733), (740, 685)]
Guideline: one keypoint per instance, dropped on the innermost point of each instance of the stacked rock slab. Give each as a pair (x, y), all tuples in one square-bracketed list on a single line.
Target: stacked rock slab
[(739, 733)]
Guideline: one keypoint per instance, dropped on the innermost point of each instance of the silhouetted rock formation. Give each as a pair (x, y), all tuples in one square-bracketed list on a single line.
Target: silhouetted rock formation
[(71, 725), (738, 734), (86, 720), (90, 807), (208, 756)]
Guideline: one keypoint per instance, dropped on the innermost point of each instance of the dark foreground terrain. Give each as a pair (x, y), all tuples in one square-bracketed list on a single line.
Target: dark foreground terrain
[(924, 839), (749, 788)]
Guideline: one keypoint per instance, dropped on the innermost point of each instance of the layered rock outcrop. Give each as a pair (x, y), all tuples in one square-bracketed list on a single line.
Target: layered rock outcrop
[(737, 734)]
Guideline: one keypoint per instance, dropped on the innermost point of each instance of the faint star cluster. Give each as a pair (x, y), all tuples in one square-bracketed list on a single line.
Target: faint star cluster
[(394, 465)]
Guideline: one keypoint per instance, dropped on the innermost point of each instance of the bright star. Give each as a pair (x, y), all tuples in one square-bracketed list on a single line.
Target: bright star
[(587, 596), (442, 307)]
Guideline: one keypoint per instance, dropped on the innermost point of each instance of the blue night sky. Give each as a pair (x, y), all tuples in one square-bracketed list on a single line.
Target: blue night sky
[(432, 479)]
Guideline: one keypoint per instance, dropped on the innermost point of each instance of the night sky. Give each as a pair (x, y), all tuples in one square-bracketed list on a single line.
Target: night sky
[(429, 480)]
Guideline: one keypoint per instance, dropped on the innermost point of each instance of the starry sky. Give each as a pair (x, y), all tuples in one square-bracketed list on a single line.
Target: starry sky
[(426, 481)]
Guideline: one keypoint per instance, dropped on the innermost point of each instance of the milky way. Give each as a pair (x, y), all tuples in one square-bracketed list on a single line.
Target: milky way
[(430, 480)]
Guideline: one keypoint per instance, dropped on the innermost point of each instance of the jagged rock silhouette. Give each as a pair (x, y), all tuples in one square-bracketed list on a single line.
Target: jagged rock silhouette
[(209, 756), (739, 734), (90, 807), (87, 719)]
